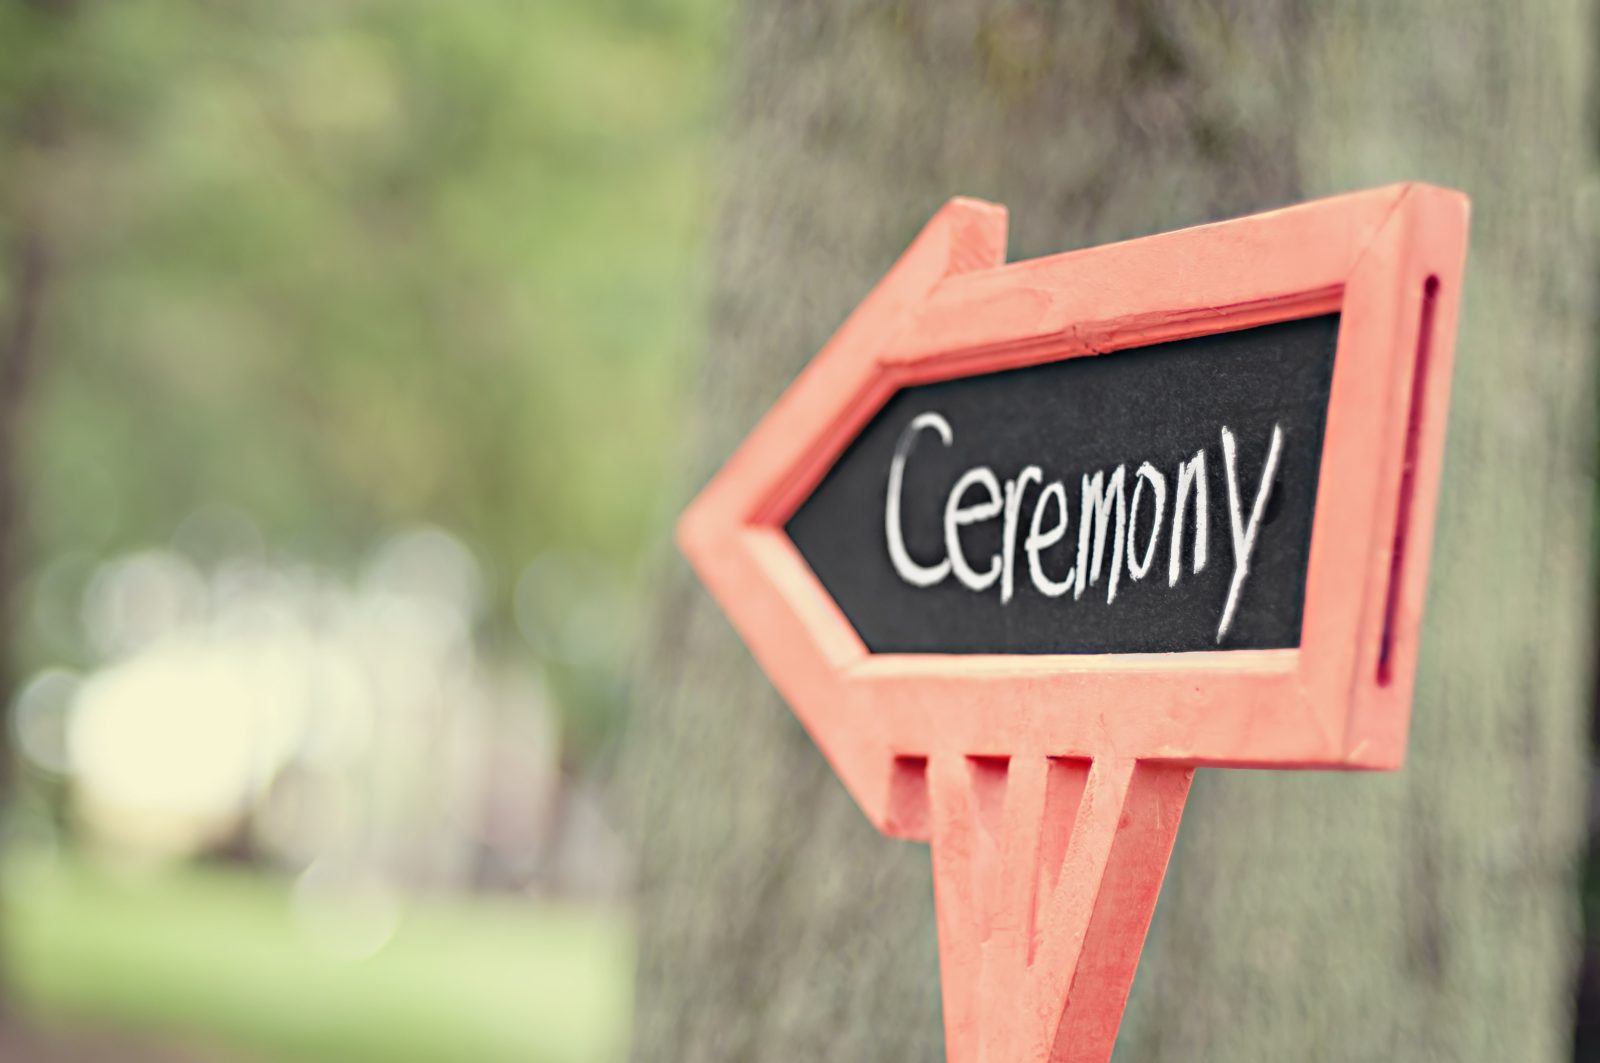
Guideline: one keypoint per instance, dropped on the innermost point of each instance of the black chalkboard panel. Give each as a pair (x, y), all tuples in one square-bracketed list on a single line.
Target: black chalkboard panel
[(1194, 423)]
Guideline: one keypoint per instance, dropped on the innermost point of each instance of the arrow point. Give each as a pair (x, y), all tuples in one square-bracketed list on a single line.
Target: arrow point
[(974, 231)]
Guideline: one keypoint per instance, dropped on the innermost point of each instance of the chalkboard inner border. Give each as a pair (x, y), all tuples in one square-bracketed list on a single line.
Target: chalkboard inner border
[(1288, 633)]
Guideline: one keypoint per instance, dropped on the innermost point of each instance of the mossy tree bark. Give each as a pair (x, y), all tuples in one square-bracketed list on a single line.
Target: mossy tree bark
[(1427, 915), (31, 129)]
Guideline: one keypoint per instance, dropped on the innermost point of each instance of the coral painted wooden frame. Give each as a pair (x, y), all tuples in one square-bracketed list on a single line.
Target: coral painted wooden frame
[(1051, 785)]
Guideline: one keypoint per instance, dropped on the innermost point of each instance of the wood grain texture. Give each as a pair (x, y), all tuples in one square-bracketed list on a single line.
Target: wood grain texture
[(1426, 916)]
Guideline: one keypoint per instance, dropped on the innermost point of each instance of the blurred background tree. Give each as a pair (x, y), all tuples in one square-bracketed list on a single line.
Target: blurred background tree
[(1426, 915), (365, 264), (342, 353), (32, 106)]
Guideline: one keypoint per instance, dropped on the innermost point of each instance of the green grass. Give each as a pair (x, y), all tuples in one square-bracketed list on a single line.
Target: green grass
[(214, 957)]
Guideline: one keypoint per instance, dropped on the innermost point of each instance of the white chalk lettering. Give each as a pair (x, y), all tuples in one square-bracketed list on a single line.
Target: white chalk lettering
[(1137, 567), (1116, 531), (1008, 558), (1039, 541), (1191, 472), (1098, 493), (1244, 533), (958, 516), (906, 568)]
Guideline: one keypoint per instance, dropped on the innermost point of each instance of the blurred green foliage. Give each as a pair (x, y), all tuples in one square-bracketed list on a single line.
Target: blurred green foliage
[(217, 956), (341, 266)]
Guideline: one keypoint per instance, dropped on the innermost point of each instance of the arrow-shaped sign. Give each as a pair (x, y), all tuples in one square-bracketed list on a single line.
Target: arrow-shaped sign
[(1026, 544)]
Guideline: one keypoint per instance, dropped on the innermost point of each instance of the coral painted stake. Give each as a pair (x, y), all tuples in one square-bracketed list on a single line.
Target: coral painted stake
[(1027, 543)]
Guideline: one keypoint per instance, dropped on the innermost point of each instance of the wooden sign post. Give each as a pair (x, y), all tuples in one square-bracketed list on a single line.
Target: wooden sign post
[(1026, 544)]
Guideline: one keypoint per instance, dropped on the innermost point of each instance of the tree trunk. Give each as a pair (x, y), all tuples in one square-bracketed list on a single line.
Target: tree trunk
[(31, 131), (1428, 915), (28, 280)]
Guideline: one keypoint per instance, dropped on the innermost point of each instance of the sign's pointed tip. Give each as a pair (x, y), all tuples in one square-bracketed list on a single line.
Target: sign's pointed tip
[(975, 206), (976, 231)]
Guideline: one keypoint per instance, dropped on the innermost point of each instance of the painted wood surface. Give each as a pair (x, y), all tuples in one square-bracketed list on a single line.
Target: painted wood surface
[(1051, 786)]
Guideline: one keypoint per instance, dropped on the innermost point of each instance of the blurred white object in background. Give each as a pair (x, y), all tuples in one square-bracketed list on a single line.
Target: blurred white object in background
[(355, 735)]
